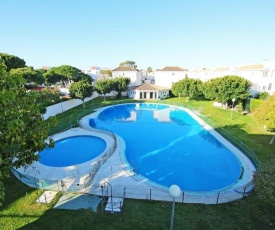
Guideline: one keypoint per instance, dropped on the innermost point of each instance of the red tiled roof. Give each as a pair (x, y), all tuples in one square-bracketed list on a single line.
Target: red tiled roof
[(248, 67), (124, 68), (172, 68), (150, 87)]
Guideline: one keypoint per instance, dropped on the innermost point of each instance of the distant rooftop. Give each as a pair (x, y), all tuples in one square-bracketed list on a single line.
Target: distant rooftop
[(124, 68), (249, 67), (172, 68), (149, 87)]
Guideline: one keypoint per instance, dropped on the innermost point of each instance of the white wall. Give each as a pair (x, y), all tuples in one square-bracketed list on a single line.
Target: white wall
[(64, 106), (135, 76), (167, 78)]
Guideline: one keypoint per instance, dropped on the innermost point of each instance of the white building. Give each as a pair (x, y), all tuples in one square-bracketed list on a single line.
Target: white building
[(262, 76), (147, 92), (128, 72), (169, 75)]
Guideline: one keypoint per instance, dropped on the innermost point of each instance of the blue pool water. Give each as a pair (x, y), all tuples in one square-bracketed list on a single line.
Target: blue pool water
[(72, 150), (166, 145)]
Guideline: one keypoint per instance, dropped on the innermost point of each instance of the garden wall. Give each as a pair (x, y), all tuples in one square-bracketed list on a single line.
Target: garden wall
[(64, 106)]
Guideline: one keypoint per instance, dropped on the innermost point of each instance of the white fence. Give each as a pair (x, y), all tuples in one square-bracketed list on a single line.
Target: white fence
[(64, 106)]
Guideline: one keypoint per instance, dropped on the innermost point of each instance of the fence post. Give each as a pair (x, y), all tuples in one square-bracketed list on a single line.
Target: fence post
[(218, 198), (45, 199), (182, 197), (57, 185), (150, 194), (244, 191), (124, 192)]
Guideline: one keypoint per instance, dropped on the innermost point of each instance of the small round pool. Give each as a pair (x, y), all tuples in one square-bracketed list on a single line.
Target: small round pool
[(72, 151)]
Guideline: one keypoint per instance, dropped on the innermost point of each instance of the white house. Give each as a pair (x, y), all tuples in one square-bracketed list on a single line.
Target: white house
[(125, 71), (94, 71), (147, 92), (169, 75), (262, 76)]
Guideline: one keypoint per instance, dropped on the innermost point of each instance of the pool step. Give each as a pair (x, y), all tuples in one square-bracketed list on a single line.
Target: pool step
[(114, 204)]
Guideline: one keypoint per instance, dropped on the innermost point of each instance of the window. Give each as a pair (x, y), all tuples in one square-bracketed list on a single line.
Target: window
[(264, 87), (265, 74), (269, 86)]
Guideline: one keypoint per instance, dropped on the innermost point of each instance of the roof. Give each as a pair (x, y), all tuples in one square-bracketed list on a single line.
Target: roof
[(222, 69), (149, 87), (250, 67), (124, 68), (172, 68)]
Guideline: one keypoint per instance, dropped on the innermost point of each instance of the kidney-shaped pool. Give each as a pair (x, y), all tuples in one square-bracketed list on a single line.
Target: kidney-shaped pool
[(168, 146)]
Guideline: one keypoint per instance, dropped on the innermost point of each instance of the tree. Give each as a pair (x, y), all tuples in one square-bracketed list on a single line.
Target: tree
[(22, 129), (104, 86), (66, 73), (226, 88), (129, 64), (187, 87), (81, 90), (265, 182), (52, 77), (31, 75), (149, 70), (262, 95), (106, 72), (120, 85), (12, 62), (265, 113)]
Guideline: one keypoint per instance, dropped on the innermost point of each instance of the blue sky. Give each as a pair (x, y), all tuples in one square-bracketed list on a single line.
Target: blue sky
[(156, 33)]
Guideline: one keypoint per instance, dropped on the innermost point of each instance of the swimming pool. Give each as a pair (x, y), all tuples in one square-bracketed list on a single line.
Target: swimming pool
[(72, 151), (168, 146)]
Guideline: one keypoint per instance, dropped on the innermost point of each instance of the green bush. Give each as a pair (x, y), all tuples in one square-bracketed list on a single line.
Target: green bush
[(254, 104), (262, 95)]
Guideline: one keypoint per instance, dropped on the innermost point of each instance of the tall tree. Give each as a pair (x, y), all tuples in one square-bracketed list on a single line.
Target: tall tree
[(12, 62), (120, 85), (104, 86), (265, 113), (149, 70), (226, 88), (52, 77), (129, 64), (81, 90), (106, 72), (187, 87), (31, 75), (66, 73), (22, 129)]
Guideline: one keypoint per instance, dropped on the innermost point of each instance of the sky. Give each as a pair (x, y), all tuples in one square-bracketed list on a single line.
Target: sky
[(191, 34)]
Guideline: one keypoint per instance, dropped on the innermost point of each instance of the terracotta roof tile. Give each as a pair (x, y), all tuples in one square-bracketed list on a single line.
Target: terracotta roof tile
[(150, 87), (172, 68), (250, 67), (124, 68)]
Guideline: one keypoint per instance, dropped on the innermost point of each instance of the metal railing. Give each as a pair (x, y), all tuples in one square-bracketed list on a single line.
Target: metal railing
[(81, 179)]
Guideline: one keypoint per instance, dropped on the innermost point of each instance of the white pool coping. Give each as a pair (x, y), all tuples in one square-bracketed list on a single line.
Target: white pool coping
[(118, 175)]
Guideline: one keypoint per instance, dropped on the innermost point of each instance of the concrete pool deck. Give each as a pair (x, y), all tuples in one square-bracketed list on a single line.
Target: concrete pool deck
[(116, 176)]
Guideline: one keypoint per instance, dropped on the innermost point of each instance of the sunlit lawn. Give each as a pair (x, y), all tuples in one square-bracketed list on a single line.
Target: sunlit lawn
[(20, 211)]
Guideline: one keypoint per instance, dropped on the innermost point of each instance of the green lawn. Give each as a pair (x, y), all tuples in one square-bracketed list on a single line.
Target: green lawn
[(20, 211)]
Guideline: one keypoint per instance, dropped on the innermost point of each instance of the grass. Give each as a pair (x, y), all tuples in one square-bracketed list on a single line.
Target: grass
[(20, 211)]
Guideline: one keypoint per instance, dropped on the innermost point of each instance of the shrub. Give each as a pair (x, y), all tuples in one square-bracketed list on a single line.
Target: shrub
[(254, 104)]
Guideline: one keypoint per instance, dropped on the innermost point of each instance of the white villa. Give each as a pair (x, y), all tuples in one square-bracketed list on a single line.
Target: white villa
[(125, 71), (169, 75), (148, 91), (156, 85), (262, 75)]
